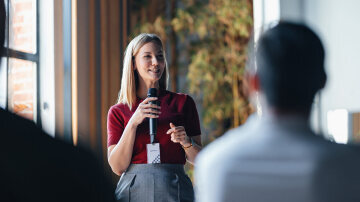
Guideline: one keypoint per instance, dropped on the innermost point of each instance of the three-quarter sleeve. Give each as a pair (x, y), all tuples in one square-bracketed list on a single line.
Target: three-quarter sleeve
[(115, 126), (192, 122)]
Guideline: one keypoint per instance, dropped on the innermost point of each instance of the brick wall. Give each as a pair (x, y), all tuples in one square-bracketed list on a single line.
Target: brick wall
[(22, 74)]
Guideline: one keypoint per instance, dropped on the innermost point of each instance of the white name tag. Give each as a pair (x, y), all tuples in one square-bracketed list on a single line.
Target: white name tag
[(153, 153)]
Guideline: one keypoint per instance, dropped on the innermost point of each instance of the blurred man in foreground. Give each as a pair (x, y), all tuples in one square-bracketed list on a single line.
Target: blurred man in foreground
[(277, 157)]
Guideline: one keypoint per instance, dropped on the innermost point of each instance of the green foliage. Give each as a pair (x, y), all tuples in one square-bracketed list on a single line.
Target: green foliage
[(220, 31)]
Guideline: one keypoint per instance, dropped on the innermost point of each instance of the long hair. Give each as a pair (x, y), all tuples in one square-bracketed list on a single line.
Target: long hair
[(130, 78)]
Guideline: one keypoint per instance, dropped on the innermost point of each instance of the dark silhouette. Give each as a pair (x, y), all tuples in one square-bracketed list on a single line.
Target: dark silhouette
[(290, 61), (36, 167), (277, 157)]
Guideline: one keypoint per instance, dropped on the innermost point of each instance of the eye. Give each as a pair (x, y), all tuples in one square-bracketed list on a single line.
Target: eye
[(160, 56), (147, 56)]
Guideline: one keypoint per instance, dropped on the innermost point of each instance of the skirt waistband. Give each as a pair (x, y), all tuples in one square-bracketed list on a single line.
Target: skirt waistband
[(156, 168)]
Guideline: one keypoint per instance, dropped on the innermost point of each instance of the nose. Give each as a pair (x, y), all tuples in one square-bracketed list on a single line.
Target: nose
[(155, 61)]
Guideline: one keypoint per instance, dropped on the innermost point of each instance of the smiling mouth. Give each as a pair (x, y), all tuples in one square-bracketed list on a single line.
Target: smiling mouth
[(156, 71)]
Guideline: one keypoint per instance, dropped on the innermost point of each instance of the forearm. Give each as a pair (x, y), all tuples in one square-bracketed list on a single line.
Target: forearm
[(192, 152), (120, 157)]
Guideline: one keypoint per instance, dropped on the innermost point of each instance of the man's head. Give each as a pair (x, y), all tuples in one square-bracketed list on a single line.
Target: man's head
[(2, 26), (290, 67)]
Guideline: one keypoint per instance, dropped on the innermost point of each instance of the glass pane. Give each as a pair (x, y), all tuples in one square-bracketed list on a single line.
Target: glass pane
[(22, 88), (3, 81), (22, 26), (6, 44)]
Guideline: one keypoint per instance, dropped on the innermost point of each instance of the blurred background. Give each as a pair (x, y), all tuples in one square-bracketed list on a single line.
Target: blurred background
[(63, 64)]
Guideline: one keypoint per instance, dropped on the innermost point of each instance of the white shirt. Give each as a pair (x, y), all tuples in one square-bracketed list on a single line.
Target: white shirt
[(273, 159)]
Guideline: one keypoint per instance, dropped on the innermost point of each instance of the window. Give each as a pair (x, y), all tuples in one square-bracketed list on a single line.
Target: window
[(19, 75)]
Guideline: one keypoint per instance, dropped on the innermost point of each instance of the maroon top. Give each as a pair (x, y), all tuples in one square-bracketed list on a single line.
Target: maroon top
[(177, 108)]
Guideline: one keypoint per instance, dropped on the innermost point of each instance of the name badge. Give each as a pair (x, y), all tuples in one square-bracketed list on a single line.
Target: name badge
[(153, 153)]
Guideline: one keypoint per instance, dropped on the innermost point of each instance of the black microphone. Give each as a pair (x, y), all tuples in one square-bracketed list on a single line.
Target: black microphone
[(152, 92)]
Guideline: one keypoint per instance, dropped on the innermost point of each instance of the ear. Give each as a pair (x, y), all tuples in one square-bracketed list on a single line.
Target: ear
[(253, 83), (323, 80)]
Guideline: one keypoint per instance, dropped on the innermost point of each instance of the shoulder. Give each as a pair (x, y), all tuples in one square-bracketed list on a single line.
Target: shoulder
[(333, 153), (118, 109), (212, 165), (47, 156), (176, 95), (18, 126), (180, 98), (221, 149), (337, 163), (33, 143), (221, 153)]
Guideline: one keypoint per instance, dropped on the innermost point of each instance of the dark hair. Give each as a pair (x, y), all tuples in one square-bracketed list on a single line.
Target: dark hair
[(290, 61), (2, 26)]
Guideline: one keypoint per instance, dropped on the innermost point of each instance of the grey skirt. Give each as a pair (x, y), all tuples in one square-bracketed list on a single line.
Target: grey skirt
[(154, 183)]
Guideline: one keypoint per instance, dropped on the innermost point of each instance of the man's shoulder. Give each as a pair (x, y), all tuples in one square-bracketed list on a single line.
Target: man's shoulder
[(335, 153), (24, 134), (13, 126), (49, 165), (230, 140), (213, 162), (220, 152)]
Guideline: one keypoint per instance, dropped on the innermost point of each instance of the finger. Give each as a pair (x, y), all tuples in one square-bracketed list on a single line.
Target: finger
[(152, 116), (172, 125), (149, 105), (172, 128), (155, 106), (179, 128), (150, 110), (179, 134), (176, 140), (173, 138), (176, 129), (170, 131), (148, 99)]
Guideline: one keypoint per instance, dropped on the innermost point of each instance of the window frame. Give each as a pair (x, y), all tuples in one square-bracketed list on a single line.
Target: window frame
[(30, 57)]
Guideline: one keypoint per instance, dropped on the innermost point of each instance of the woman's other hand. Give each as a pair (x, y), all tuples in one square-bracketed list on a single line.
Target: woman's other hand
[(178, 135)]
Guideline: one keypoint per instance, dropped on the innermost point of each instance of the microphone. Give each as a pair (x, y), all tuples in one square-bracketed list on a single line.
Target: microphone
[(152, 92)]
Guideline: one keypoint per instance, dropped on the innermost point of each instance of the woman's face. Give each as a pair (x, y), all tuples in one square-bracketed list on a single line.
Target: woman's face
[(150, 62)]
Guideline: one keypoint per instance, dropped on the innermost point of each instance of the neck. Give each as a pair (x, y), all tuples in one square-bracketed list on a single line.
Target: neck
[(144, 86), (305, 114), (283, 112)]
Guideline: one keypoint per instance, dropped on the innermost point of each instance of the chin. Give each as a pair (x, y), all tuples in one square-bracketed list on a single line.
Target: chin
[(155, 78)]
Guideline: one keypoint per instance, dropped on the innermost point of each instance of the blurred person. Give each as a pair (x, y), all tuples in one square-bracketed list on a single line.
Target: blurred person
[(178, 135), (277, 157), (36, 167)]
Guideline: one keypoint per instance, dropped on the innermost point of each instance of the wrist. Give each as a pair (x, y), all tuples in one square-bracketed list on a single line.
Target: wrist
[(187, 147), (132, 123), (187, 143)]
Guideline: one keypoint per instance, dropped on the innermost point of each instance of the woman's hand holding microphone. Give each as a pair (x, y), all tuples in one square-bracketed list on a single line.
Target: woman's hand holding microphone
[(145, 110)]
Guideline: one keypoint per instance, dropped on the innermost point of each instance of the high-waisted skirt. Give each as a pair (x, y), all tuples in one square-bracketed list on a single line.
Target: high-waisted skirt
[(154, 183)]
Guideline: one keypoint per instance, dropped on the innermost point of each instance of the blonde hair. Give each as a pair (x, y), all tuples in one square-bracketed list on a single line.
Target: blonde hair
[(129, 80)]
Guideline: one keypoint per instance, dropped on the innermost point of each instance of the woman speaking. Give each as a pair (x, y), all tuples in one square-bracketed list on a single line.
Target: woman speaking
[(151, 171)]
